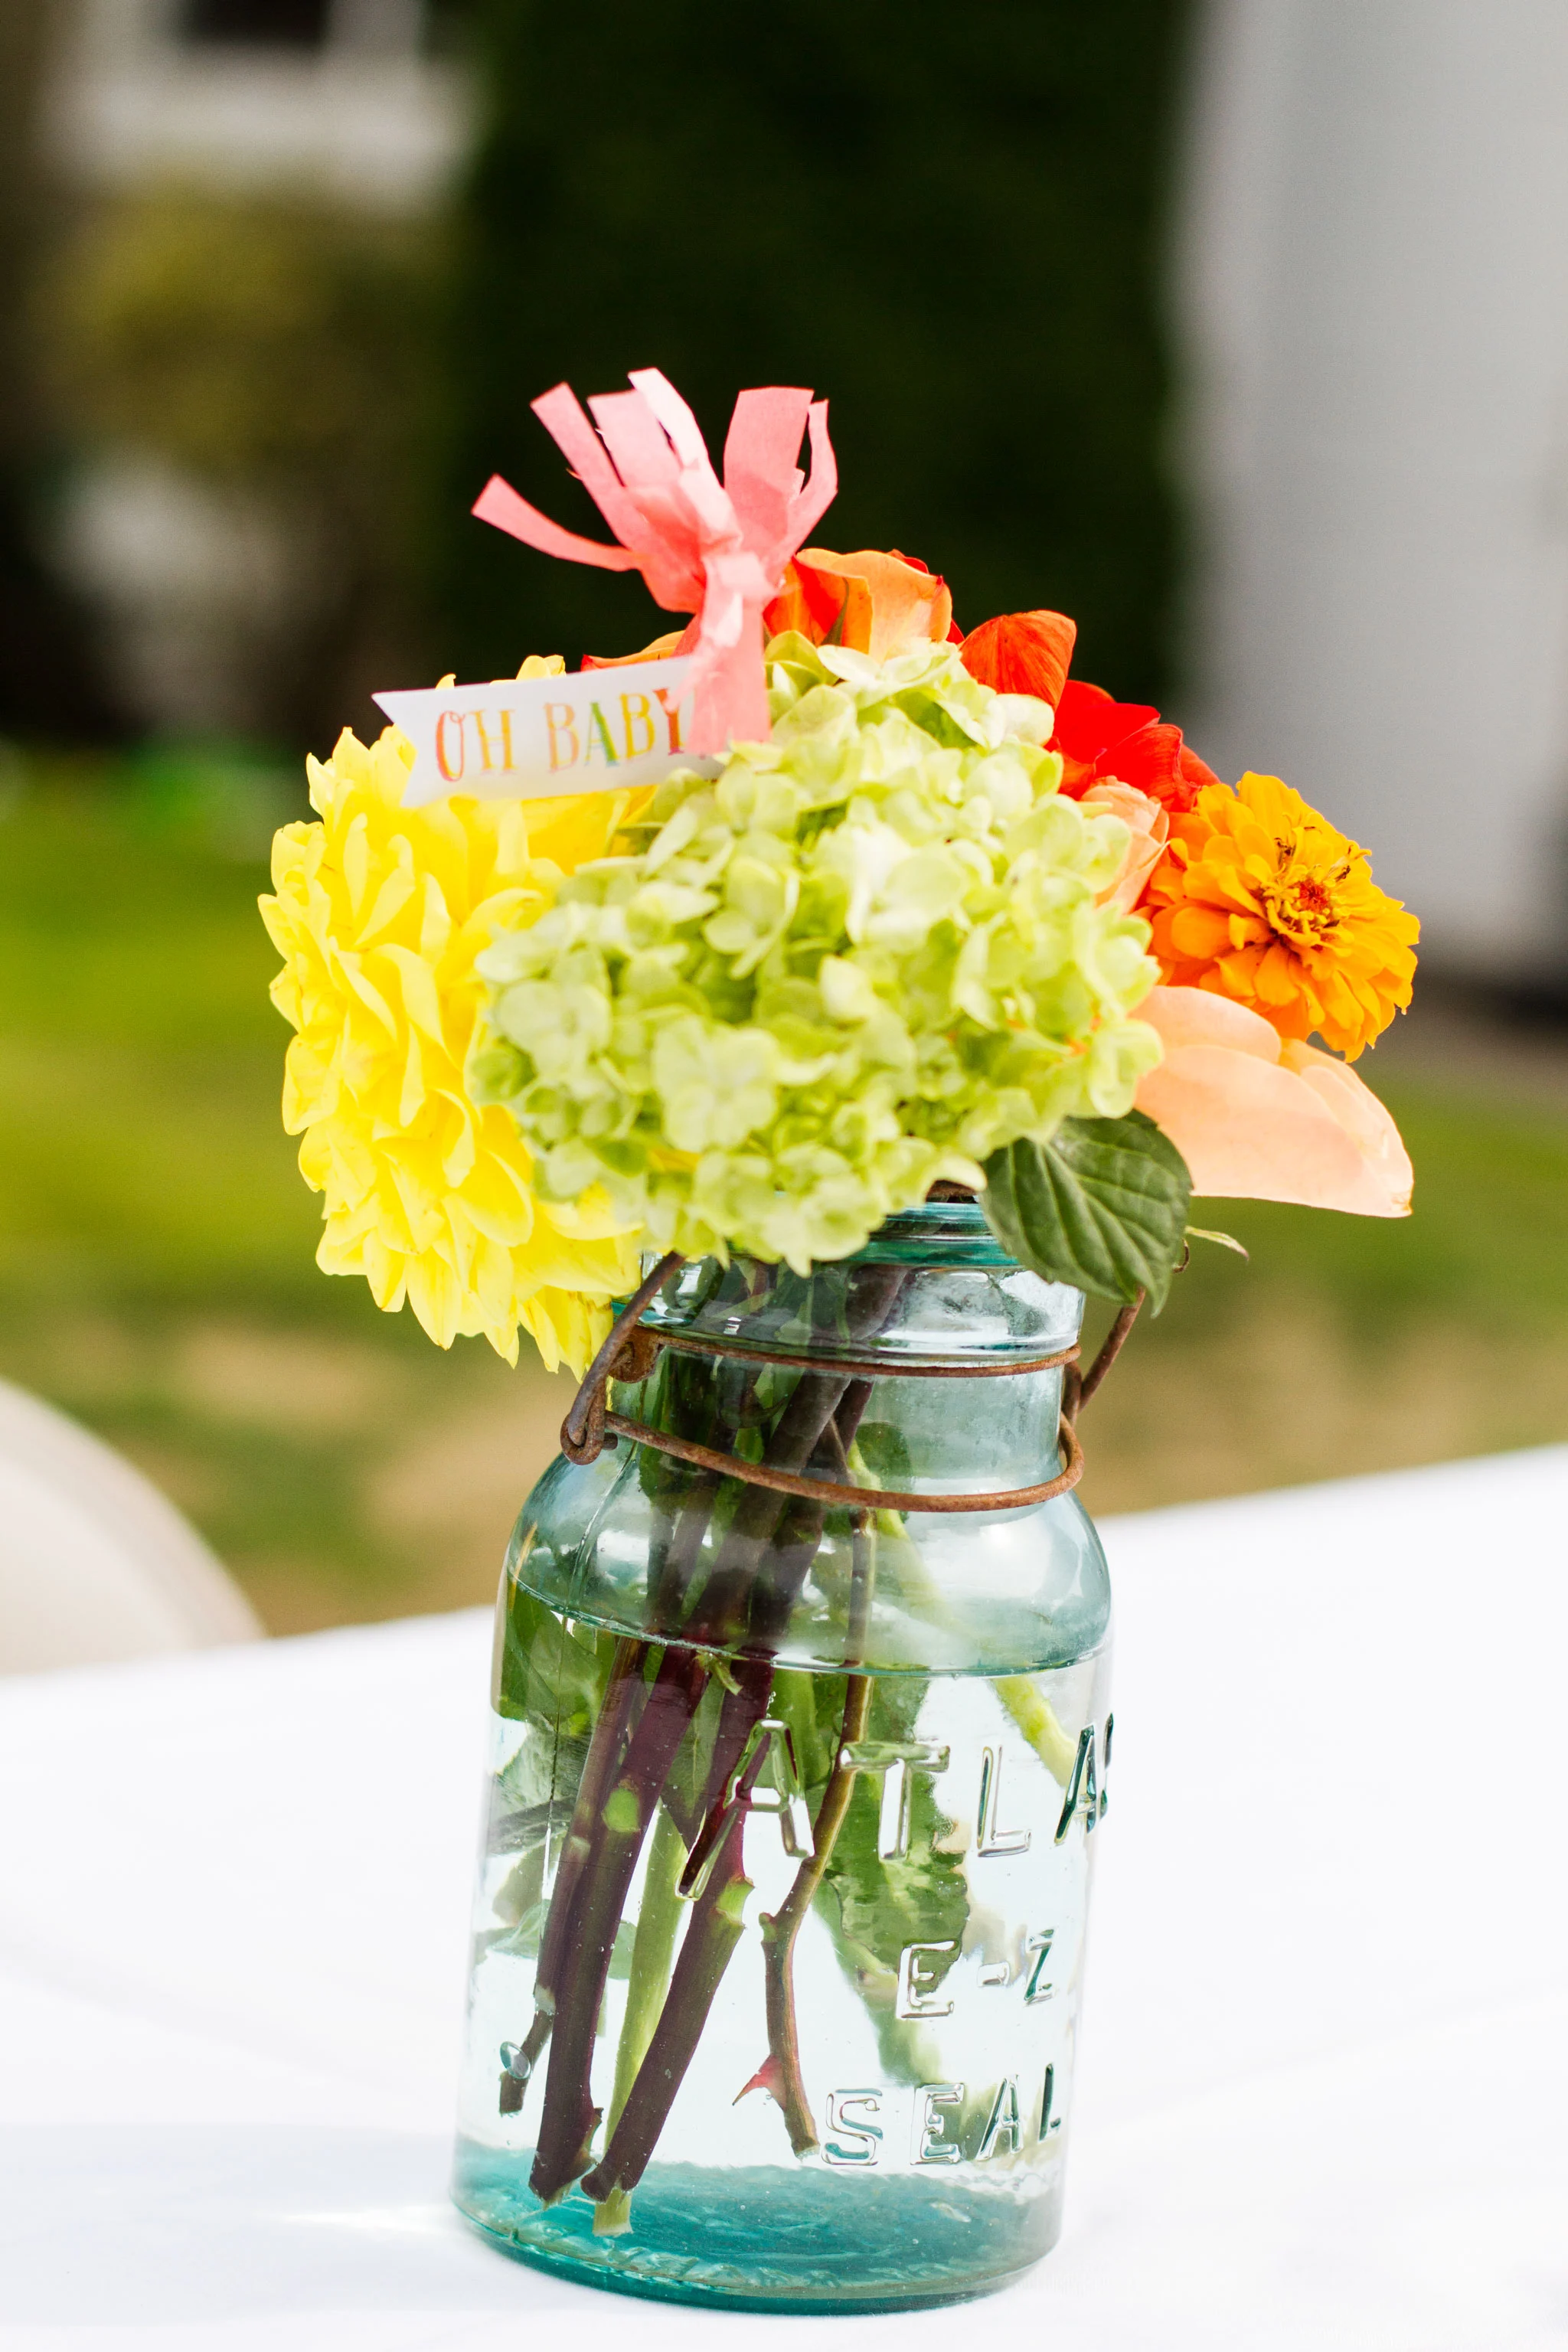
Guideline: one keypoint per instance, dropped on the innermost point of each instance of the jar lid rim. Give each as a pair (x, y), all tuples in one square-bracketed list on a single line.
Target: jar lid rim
[(941, 1232)]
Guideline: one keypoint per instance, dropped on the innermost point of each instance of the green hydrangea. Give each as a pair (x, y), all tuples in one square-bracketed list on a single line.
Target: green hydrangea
[(858, 958)]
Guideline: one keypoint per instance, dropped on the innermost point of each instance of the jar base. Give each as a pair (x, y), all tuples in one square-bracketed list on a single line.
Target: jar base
[(698, 2235)]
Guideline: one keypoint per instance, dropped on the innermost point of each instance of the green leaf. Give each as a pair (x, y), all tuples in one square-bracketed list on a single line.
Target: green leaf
[(551, 1673), (1224, 1241), (1102, 1205), (812, 1708), (687, 1776), (873, 1904)]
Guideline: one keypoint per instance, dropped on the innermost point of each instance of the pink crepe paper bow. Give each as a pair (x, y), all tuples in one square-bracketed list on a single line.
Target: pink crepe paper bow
[(715, 549)]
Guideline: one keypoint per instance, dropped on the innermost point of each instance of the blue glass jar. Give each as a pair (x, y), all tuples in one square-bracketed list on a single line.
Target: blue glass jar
[(782, 1906)]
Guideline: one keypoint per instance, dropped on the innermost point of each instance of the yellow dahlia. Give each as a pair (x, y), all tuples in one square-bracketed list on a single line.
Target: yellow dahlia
[(379, 913), (1260, 899)]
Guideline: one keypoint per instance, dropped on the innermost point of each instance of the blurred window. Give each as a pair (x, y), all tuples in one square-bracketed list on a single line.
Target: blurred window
[(268, 24)]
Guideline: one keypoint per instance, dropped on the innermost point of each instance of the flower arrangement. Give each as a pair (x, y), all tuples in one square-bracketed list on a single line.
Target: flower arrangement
[(944, 914), (909, 910)]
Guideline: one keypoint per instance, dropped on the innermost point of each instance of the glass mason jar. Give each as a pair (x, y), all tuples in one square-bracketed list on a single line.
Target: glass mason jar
[(780, 1916)]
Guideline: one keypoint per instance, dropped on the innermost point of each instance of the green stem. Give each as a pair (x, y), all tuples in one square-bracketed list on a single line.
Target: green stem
[(653, 1951), (624, 1695), (781, 2073), (1036, 1718), (716, 1925), (569, 2119)]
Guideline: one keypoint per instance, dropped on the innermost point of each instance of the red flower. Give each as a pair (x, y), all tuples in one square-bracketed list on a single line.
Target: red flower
[(1021, 653), (1098, 737)]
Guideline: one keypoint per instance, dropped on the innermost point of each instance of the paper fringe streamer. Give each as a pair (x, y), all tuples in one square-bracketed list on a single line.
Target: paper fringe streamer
[(715, 549)]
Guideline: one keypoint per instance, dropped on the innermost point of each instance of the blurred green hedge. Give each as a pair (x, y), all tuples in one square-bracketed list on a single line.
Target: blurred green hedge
[(281, 345), (46, 665), (945, 218)]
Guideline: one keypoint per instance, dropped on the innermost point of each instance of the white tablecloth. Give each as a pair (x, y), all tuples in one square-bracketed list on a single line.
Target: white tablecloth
[(1324, 2092)]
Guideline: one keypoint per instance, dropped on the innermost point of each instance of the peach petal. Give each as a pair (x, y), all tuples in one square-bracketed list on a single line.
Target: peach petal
[(1255, 1120), (1359, 1112), (1254, 1130), (1148, 825), (1196, 1016)]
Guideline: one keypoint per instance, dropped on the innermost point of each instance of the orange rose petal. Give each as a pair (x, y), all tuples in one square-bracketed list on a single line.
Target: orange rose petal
[(887, 603), (788, 609), (673, 641), (857, 620)]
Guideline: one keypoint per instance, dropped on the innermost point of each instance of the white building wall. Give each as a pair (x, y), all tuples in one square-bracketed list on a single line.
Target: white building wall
[(1373, 296), (365, 119)]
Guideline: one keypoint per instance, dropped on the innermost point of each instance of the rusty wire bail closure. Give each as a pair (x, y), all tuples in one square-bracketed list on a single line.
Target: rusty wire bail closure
[(632, 1349)]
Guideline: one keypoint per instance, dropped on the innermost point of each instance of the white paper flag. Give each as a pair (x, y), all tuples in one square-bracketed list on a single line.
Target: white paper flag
[(532, 738)]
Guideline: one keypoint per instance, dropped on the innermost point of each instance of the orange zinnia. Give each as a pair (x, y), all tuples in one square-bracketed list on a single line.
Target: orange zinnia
[(1260, 899)]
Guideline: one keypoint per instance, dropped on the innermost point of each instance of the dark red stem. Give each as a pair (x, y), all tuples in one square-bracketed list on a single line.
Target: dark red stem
[(570, 2118), (715, 1927)]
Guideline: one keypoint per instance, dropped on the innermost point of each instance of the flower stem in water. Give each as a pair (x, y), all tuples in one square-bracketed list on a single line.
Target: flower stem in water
[(653, 1950), (782, 2075), (717, 1924)]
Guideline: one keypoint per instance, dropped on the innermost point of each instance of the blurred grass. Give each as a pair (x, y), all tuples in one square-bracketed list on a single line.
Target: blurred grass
[(1353, 1344), (157, 1276), (156, 1242)]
